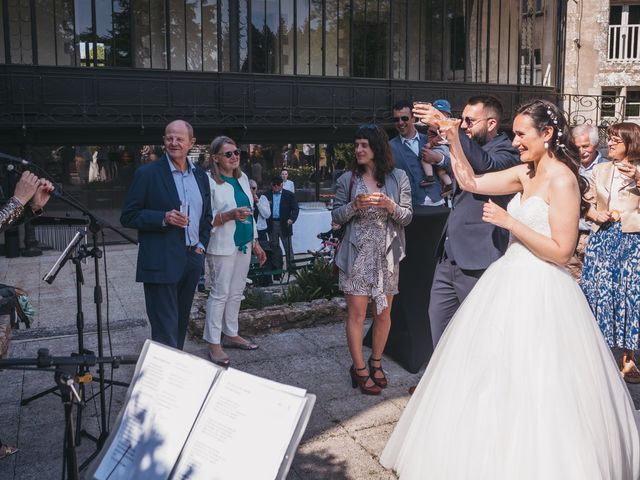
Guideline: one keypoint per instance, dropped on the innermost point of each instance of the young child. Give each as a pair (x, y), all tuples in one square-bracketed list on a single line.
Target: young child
[(428, 168)]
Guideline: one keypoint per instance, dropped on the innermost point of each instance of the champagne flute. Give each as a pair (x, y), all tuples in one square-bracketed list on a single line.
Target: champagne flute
[(248, 220), (445, 124), (184, 209), (418, 123)]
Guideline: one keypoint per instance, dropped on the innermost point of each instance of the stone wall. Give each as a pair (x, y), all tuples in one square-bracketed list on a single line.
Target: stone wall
[(275, 318), (587, 69)]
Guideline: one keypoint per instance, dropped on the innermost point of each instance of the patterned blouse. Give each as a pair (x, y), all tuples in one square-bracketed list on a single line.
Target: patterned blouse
[(10, 213)]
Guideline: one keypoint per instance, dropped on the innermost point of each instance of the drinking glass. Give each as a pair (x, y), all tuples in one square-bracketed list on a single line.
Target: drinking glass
[(184, 209), (248, 220), (418, 122), (445, 124)]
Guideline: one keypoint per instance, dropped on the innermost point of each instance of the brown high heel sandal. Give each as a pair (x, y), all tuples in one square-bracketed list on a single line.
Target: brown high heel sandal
[(381, 382), (633, 375), (361, 381)]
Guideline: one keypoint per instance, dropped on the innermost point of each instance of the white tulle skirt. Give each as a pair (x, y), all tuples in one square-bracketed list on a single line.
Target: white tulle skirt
[(521, 386)]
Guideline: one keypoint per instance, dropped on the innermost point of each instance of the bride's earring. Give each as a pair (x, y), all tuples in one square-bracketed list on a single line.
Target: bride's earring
[(546, 145)]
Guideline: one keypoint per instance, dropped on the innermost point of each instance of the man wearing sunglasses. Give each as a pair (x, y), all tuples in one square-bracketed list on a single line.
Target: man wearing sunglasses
[(408, 147), (468, 245), (284, 213), (169, 203)]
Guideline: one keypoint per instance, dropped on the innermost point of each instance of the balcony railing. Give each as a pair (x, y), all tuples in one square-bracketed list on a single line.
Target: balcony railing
[(598, 110), (623, 43)]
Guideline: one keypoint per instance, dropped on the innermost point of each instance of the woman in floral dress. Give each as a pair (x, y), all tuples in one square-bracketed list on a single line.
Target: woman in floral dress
[(373, 202), (611, 272)]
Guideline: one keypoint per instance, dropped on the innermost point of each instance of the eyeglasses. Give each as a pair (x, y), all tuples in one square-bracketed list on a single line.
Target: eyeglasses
[(368, 126), (472, 121), (229, 154), (614, 140), (403, 118)]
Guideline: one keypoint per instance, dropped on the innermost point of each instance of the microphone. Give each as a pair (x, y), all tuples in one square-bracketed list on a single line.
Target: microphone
[(5, 158)]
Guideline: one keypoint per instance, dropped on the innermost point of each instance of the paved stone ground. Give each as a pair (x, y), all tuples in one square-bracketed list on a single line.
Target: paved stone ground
[(343, 440), (346, 433)]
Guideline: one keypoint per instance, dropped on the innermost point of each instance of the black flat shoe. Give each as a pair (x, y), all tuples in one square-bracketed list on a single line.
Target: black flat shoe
[(246, 345)]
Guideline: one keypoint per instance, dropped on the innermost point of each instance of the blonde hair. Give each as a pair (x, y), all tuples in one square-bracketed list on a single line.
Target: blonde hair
[(215, 147)]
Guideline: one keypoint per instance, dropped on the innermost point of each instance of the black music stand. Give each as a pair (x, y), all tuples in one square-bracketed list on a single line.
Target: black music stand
[(49, 278)]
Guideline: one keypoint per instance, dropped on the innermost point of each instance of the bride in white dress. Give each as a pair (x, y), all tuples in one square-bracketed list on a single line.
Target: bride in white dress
[(522, 385)]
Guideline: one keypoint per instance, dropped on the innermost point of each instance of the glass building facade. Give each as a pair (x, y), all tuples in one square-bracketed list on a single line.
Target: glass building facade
[(86, 86), (487, 41)]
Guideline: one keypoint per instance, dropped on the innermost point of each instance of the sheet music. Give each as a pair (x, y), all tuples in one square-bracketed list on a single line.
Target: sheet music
[(165, 398), (243, 430)]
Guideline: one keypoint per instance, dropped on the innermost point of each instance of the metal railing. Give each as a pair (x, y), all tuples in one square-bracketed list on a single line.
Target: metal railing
[(623, 43), (598, 110)]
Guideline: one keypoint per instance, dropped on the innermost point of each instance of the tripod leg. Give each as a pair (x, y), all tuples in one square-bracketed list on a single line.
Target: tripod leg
[(38, 395), (70, 455)]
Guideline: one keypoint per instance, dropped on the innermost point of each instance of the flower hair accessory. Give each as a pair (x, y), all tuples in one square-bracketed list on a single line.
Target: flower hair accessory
[(554, 119)]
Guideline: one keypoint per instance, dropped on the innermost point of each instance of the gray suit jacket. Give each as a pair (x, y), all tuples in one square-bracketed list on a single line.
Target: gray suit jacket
[(398, 189), (409, 162), (470, 242)]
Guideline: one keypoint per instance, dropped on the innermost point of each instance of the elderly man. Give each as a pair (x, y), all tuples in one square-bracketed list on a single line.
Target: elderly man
[(284, 213), (169, 204), (586, 138)]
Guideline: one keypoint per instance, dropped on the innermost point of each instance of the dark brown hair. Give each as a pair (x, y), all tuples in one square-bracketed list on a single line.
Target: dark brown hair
[(545, 114), (490, 104), (630, 135), (379, 144)]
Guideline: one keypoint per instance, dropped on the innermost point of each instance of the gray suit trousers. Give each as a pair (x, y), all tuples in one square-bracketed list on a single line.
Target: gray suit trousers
[(450, 287)]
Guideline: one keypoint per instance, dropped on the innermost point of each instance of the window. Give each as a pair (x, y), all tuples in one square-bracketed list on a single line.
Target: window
[(632, 106), (608, 102), (624, 26), (536, 6)]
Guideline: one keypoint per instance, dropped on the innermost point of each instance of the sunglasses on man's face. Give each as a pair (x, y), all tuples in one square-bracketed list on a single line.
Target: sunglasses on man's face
[(229, 154), (403, 118)]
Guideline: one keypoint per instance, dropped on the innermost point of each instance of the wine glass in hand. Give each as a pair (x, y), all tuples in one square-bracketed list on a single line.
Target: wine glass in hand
[(444, 125), (418, 122), (245, 214)]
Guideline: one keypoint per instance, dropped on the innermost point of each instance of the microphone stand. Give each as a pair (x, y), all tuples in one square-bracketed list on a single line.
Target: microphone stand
[(64, 374), (96, 225)]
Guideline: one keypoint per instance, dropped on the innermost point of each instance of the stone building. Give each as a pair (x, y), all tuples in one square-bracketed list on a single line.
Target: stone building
[(602, 65)]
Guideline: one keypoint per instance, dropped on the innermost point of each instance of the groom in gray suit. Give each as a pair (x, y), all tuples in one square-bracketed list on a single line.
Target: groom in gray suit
[(468, 245), (409, 147)]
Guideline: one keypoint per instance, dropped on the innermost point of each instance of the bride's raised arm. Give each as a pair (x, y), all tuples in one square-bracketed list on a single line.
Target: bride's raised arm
[(501, 182)]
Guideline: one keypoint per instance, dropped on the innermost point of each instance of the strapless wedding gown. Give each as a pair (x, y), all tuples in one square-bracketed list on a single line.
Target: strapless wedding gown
[(522, 385)]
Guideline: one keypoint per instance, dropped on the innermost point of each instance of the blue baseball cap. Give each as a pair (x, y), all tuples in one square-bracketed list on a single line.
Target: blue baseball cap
[(442, 105)]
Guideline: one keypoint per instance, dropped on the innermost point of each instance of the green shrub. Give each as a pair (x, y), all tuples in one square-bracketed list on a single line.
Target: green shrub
[(313, 282)]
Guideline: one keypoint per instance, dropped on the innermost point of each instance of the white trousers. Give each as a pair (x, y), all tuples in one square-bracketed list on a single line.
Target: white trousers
[(224, 300)]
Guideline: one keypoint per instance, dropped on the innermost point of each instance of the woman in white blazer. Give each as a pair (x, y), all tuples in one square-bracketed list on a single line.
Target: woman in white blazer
[(233, 237)]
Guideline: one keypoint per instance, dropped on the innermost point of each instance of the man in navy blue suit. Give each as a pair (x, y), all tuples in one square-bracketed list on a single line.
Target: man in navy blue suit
[(169, 203), (284, 213)]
